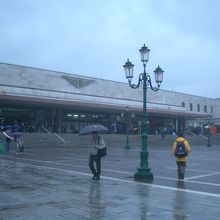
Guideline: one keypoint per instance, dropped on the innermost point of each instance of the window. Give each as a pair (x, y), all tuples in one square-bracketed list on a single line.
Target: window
[(198, 108), (205, 108), (191, 107), (183, 104), (212, 110)]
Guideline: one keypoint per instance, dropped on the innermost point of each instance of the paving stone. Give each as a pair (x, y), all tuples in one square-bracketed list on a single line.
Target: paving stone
[(45, 189)]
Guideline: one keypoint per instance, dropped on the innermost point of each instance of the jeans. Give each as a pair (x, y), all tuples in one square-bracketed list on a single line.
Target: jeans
[(181, 167), (95, 158), (20, 146)]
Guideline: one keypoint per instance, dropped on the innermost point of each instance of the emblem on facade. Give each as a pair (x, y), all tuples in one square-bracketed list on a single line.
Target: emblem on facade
[(77, 81)]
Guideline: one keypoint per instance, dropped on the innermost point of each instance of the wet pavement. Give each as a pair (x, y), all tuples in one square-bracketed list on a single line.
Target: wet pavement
[(55, 183)]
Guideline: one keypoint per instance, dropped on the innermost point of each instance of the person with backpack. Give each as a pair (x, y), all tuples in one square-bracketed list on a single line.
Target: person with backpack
[(97, 144), (181, 150)]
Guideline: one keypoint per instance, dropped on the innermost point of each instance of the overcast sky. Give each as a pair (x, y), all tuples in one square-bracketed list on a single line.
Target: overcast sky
[(95, 37)]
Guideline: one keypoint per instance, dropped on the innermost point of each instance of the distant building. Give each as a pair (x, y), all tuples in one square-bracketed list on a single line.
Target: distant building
[(64, 102)]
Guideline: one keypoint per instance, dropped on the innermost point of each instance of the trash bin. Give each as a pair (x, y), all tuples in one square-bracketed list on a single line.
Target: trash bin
[(2, 148)]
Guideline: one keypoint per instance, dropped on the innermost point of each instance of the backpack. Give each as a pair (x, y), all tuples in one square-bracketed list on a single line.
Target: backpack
[(180, 149)]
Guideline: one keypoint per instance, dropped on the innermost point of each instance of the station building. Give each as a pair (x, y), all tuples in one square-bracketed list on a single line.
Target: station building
[(65, 102)]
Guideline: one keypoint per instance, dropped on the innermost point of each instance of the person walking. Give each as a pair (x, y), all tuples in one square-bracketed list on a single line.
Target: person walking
[(18, 137), (181, 150), (7, 144), (96, 143), (8, 138), (163, 133), (19, 145)]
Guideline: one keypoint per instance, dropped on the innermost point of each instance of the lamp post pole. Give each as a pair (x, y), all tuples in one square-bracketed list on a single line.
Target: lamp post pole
[(144, 172), (127, 115), (209, 134), (127, 146)]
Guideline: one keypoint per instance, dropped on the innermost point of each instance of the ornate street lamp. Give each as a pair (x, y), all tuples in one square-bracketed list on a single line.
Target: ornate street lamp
[(144, 172)]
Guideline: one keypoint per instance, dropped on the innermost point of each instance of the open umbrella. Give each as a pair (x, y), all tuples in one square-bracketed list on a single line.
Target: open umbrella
[(93, 128), (16, 134)]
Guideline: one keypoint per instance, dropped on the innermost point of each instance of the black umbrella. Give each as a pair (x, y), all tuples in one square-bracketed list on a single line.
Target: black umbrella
[(93, 128)]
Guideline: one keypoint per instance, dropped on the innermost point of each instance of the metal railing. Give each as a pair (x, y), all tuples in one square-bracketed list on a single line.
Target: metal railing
[(202, 136), (52, 134)]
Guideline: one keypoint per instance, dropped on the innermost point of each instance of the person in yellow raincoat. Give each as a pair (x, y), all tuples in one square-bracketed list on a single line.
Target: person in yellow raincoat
[(178, 150)]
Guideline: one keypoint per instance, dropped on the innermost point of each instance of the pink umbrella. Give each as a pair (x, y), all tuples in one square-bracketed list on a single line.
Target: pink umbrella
[(16, 134)]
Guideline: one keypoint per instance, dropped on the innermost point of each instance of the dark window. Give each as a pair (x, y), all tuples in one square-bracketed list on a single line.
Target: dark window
[(198, 108), (205, 108), (212, 110), (183, 104), (191, 107)]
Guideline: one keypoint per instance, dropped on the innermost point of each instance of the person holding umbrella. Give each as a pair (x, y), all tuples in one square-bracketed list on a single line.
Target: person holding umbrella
[(19, 143), (18, 137), (8, 138), (96, 144), (96, 148)]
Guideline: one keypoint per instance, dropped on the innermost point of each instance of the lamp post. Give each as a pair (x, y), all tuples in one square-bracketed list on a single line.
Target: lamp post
[(209, 134), (144, 172), (127, 116)]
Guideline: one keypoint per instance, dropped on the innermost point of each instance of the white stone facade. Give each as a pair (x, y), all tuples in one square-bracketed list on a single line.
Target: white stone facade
[(25, 82)]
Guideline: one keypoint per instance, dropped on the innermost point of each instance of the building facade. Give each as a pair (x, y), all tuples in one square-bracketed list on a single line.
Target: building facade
[(64, 102)]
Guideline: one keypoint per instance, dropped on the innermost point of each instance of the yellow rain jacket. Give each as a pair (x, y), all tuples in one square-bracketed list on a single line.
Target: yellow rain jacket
[(179, 139)]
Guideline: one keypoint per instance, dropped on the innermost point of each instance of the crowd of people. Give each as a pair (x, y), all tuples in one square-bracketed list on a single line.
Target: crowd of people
[(13, 132)]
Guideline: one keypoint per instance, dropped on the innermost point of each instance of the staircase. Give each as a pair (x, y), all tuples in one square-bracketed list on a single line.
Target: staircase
[(112, 140)]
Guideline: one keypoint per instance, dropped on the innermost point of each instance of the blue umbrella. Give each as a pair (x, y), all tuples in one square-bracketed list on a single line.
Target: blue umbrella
[(93, 128)]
